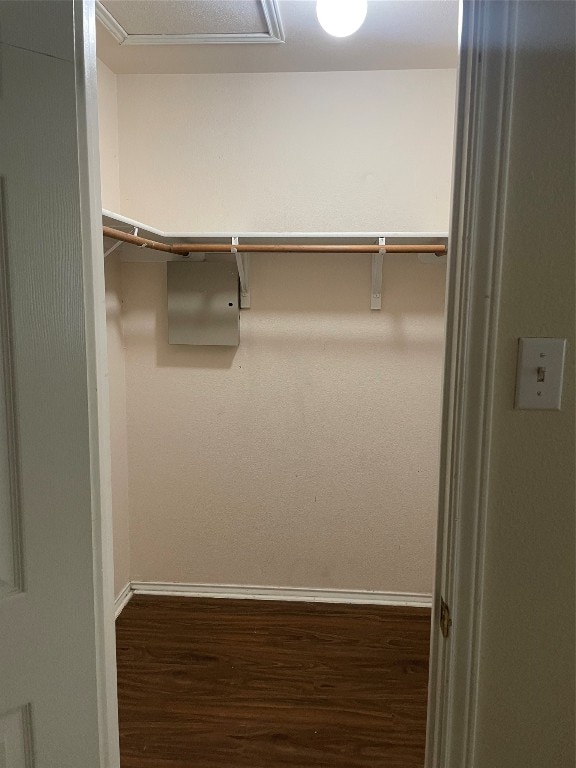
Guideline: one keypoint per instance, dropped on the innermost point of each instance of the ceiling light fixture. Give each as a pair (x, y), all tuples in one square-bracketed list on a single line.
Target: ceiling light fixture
[(341, 18)]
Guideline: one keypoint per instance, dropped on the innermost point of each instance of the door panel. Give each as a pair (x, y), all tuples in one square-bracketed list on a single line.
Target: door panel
[(39, 25), (15, 741), (50, 714), (11, 577)]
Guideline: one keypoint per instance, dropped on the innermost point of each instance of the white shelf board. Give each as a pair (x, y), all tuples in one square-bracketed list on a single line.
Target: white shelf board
[(134, 253), (123, 222)]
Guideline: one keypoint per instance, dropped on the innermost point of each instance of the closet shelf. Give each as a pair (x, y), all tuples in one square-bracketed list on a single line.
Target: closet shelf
[(368, 242), (144, 243)]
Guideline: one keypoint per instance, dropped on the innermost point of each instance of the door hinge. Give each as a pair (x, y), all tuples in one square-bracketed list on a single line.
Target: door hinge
[(445, 618)]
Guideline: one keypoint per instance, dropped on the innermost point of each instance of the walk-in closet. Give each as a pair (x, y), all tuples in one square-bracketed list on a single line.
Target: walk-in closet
[(276, 204)]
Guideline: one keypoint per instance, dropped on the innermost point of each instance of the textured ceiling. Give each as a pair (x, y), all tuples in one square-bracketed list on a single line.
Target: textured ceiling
[(397, 34), (182, 17)]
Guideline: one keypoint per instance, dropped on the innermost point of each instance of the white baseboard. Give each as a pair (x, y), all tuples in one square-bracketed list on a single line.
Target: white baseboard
[(281, 593), (123, 599)]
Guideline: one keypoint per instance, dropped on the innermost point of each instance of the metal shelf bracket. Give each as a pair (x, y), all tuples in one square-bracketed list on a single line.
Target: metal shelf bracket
[(243, 264), (118, 243), (377, 261)]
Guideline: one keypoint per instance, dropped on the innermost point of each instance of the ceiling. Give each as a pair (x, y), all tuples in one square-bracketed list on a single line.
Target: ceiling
[(397, 34)]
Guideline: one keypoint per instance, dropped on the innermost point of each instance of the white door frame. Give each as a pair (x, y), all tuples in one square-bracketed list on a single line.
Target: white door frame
[(486, 82), (486, 79), (97, 364)]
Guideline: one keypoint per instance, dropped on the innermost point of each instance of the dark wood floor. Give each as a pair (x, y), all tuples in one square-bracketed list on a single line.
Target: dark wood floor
[(256, 684)]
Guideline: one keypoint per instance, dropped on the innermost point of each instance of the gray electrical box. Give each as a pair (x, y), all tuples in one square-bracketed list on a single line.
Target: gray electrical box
[(203, 303)]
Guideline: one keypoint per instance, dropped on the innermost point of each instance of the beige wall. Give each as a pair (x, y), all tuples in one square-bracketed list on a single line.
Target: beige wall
[(108, 129), (291, 151), (109, 166), (308, 456), (526, 715), (118, 433)]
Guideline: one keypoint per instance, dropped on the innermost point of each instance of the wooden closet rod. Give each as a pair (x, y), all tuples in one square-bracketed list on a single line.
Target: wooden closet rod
[(184, 248)]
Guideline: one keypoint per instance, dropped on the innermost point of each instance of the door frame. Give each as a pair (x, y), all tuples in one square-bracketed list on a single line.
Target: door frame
[(482, 148), (97, 368), (485, 84)]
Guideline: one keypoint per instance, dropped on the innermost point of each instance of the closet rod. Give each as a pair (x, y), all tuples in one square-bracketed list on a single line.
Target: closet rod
[(184, 248)]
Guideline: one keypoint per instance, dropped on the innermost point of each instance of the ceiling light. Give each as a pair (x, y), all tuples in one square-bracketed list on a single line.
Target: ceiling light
[(341, 17)]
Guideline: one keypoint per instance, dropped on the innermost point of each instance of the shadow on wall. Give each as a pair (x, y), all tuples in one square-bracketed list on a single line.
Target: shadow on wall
[(309, 300)]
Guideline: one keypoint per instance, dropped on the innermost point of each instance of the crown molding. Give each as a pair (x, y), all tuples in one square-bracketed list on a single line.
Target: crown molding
[(107, 20)]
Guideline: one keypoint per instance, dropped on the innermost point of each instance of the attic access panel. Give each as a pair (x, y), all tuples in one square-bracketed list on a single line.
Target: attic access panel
[(170, 22), (203, 303)]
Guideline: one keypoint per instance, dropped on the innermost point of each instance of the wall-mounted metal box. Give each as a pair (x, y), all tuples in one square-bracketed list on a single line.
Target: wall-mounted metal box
[(203, 303)]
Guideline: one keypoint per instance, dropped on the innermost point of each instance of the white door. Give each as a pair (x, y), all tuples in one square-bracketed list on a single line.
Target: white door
[(56, 699)]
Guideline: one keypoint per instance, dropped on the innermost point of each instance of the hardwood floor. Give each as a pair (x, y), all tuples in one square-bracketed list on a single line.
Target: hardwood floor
[(209, 683)]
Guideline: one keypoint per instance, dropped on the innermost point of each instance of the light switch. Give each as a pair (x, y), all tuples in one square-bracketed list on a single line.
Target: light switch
[(540, 373)]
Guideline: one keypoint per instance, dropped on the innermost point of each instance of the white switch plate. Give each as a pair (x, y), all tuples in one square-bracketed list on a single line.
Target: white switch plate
[(540, 373)]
